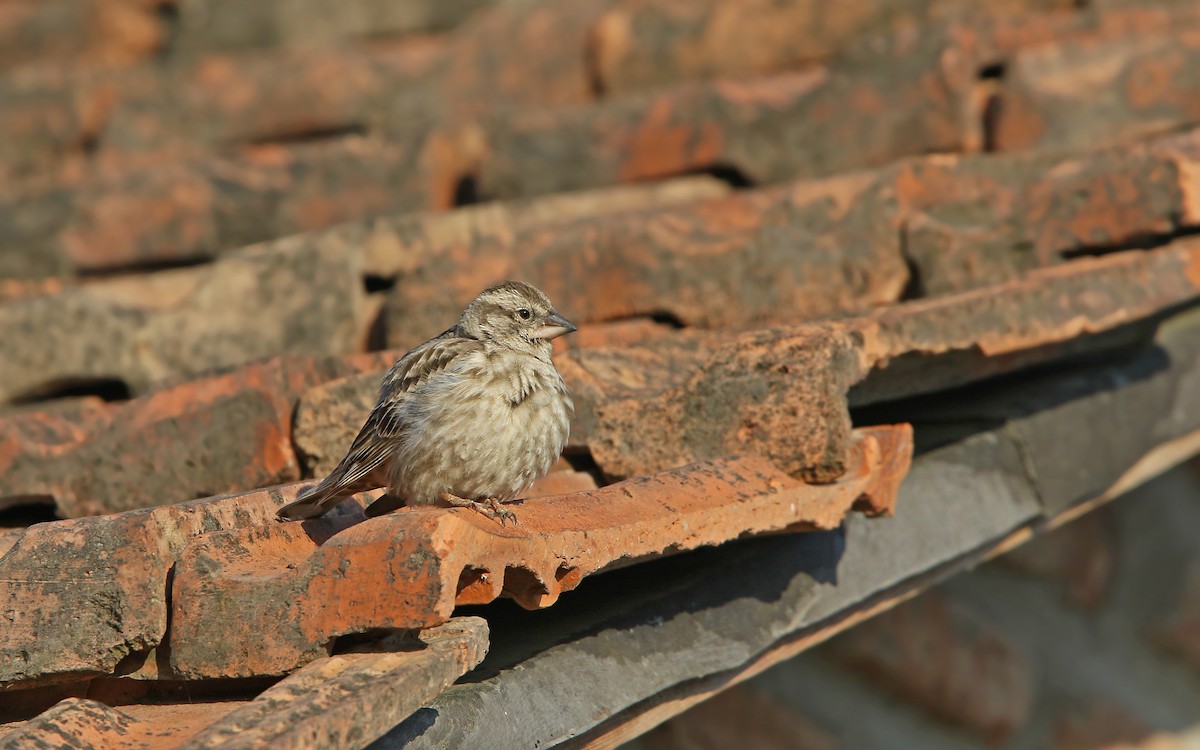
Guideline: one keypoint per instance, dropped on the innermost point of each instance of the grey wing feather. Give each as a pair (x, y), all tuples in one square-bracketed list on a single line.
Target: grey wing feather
[(364, 465)]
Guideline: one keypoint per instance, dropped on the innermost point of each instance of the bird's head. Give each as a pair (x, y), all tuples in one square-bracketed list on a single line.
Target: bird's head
[(514, 314)]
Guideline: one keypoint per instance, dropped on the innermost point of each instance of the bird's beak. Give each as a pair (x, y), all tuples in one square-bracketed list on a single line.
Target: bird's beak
[(553, 326)]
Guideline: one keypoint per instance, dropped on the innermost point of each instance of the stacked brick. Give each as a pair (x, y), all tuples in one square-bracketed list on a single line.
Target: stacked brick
[(870, 271)]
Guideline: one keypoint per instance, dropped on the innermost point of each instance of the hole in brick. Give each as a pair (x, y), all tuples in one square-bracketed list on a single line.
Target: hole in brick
[(168, 16), (662, 317), (108, 389), (24, 703), (667, 318), (377, 640), (132, 662), (522, 585), (591, 65), (995, 71), (142, 267), (727, 173), (915, 288), (466, 191), (474, 586), (122, 691), (990, 77), (310, 135), (568, 577), (26, 510), (1137, 242), (89, 143), (373, 283)]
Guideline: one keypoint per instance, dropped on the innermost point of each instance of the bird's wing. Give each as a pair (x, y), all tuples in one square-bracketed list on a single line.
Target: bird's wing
[(377, 439)]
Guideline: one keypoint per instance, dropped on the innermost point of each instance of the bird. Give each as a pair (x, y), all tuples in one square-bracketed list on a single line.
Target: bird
[(470, 418)]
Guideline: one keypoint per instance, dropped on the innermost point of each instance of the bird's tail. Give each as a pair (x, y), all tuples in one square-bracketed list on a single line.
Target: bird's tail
[(316, 502)]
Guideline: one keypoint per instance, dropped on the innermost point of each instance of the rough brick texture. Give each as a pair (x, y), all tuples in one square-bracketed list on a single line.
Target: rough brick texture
[(186, 321), (1133, 77), (770, 129), (762, 257), (193, 439), (205, 26), (668, 401), (110, 32), (195, 211), (118, 569), (170, 112), (348, 700), (307, 576)]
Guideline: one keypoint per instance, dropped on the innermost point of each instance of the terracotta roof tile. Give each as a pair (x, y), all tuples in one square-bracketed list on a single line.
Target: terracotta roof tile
[(166, 325), (225, 433), (420, 563), (806, 244)]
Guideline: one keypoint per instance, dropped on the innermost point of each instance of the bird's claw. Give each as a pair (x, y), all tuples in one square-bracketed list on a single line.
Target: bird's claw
[(499, 514), (490, 508)]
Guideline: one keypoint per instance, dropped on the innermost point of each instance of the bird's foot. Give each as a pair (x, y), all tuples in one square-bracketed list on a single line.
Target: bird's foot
[(490, 507)]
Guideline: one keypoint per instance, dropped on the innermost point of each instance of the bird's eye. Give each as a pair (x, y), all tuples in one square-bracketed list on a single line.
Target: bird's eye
[(524, 313)]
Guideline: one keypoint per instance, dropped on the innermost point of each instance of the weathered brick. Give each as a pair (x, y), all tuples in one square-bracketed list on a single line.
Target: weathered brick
[(950, 663), (343, 701), (9, 537), (32, 440), (348, 700), (106, 32), (80, 724), (307, 583), (982, 220), (644, 44), (933, 344), (562, 483), (197, 438), (495, 58), (760, 257), (1133, 77), (776, 393), (400, 245), (170, 112), (631, 401), (328, 417), (302, 299), (806, 124), (264, 96), (195, 211), (79, 596), (13, 289), (205, 26), (616, 333), (623, 398)]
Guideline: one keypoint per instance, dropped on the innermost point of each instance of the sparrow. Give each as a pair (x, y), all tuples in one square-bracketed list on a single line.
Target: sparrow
[(470, 418)]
